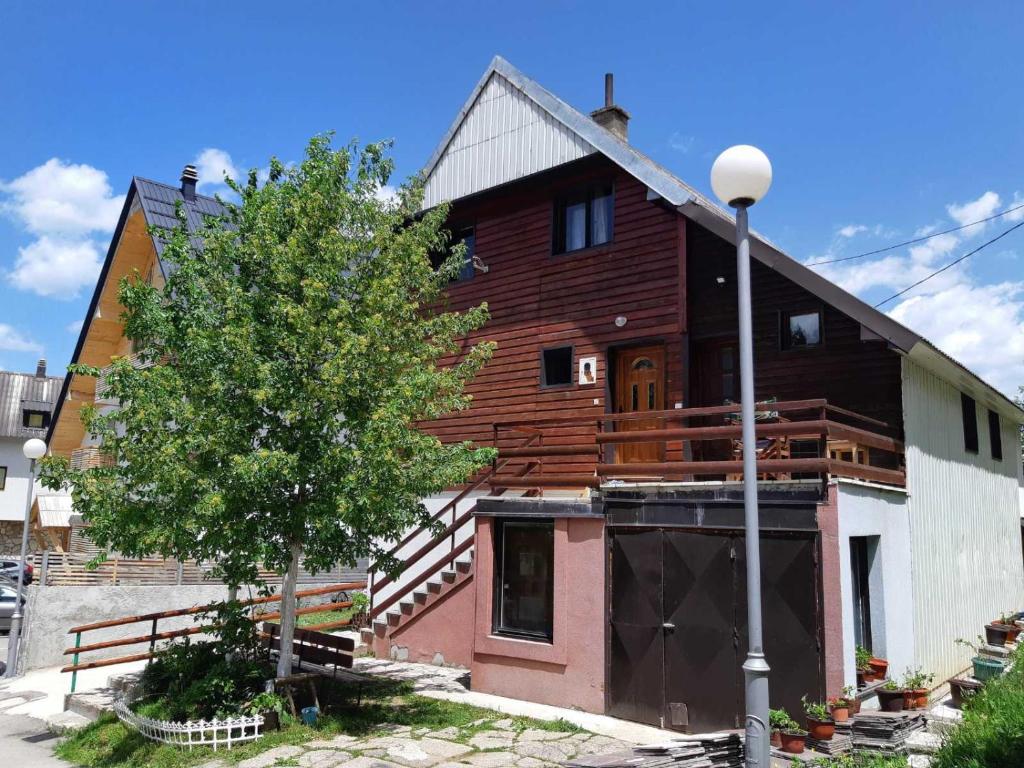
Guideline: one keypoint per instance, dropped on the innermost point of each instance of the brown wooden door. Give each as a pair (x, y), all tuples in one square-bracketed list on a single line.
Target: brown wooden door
[(639, 386), (716, 372)]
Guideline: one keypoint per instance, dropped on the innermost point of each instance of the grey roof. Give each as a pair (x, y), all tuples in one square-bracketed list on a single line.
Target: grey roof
[(21, 391), (661, 183)]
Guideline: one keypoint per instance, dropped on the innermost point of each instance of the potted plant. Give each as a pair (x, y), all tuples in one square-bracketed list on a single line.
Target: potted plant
[(865, 674), (961, 689), (850, 694), (794, 740), (779, 721), (879, 666), (839, 708), (915, 688), (820, 725), (271, 706), (1012, 630), (996, 634), (890, 697), (985, 667)]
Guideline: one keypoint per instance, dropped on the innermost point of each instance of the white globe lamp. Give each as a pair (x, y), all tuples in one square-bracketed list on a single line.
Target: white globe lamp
[(741, 175), (34, 449)]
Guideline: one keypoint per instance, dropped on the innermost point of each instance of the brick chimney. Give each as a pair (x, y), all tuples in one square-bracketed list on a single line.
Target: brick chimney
[(612, 117), (41, 369), (189, 179)]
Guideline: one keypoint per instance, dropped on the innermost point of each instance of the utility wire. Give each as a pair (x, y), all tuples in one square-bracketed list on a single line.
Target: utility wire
[(939, 271), (917, 239)]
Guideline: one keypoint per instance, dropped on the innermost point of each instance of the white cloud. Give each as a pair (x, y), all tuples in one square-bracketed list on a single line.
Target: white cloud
[(386, 194), (681, 142), (213, 165), (852, 230), (62, 198), (980, 325), (55, 267), (75, 327), (13, 340)]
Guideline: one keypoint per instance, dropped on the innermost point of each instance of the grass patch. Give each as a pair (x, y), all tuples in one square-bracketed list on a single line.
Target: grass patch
[(323, 617), (859, 760), (991, 734), (107, 743)]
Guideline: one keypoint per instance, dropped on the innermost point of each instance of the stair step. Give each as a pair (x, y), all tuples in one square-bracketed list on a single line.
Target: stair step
[(923, 743), (448, 576), (434, 587), (366, 635), (419, 597)]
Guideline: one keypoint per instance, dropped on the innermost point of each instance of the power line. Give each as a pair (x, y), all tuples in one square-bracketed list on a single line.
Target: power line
[(939, 271), (917, 239)]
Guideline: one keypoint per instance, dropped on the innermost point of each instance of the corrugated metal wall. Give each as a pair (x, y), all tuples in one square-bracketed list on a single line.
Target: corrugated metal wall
[(505, 136), (964, 523)]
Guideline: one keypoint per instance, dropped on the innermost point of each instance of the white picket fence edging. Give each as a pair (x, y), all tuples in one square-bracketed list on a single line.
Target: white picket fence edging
[(193, 733)]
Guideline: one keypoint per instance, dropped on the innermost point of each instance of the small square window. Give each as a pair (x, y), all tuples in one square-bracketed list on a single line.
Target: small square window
[(3, 478), (584, 218), (970, 419), (524, 579), (995, 437), (801, 329), (35, 419), (556, 367), (465, 236)]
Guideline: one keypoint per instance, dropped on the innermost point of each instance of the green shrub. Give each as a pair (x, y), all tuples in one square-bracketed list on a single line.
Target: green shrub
[(991, 734)]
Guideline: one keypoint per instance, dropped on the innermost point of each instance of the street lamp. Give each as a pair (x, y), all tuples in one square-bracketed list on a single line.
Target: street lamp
[(740, 177), (33, 449)]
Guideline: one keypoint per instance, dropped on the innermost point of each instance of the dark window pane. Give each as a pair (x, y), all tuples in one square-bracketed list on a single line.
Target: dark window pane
[(557, 366), (728, 358), (601, 210), (650, 396), (526, 578), (804, 330), (35, 419), (3, 478), (995, 439), (970, 419), (468, 239), (636, 399), (643, 364), (575, 226), (728, 387)]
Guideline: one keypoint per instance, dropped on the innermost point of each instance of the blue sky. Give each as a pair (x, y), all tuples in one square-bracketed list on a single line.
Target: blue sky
[(882, 120)]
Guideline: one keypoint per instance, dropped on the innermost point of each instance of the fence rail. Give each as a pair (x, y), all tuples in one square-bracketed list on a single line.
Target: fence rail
[(214, 733)]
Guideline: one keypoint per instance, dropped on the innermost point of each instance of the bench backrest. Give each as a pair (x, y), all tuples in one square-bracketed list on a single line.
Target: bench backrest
[(313, 647)]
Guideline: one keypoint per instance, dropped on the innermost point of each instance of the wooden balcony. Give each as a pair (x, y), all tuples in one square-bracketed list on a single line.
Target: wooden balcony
[(796, 440), (102, 383), (89, 458)]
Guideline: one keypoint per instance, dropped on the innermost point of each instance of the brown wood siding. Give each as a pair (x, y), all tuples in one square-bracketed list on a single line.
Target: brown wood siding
[(863, 376), (538, 300)]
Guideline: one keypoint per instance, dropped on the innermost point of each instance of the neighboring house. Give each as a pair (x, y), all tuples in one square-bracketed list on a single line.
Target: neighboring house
[(599, 563), (26, 406)]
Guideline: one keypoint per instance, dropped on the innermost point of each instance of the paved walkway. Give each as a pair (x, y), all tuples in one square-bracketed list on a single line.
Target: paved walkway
[(25, 741)]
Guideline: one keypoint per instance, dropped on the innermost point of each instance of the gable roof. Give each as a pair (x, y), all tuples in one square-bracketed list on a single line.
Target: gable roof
[(157, 202), (536, 113), (21, 391)]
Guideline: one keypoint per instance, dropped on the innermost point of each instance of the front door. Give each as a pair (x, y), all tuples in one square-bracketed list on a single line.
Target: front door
[(639, 386)]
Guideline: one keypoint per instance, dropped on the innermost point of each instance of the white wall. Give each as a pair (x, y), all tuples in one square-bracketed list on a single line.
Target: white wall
[(964, 522), (12, 498), (870, 510)]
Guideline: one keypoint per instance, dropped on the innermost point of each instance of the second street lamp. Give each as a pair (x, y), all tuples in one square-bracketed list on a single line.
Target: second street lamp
[(741, 176)]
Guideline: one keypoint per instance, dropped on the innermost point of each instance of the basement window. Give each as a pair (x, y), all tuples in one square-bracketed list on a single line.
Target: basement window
[(3, 478), (524, 580), (35, 419), (556, 367), (995, 437), (583, 219), (800, 329), (970, 419)]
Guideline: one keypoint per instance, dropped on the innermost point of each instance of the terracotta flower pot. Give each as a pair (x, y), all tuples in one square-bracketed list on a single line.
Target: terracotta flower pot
[(996, 634), (879, 667), (890, 701), (861, 678), (793, 742), (915, 698), (1012, 630), (822, 730), (776, 739), (840, 712)]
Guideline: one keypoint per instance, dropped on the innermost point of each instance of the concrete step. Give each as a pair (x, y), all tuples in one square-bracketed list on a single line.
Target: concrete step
[(65, 722), (366, 635), (923, 743), (91, 704)]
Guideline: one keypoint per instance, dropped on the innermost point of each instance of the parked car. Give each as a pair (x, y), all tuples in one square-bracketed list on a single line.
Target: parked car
[(9, 568), (7, 596)]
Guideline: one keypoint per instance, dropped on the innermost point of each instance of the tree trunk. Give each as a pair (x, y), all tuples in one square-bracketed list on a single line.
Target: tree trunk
[(291, 576)]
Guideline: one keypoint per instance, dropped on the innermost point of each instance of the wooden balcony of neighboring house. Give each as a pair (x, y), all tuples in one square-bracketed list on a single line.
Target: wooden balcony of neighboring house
[(796, 440), (102, 381), (89, 457)]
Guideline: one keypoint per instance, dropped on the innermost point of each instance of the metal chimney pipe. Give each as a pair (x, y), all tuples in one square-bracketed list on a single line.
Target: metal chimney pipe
[(609, 89)]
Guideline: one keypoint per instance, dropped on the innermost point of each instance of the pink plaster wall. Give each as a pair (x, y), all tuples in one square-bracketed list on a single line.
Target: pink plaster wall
[(569, 671), (832, 593), (443, 627)]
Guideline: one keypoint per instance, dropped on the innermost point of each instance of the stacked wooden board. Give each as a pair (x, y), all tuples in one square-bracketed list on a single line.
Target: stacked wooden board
[(885, 733), (715, 750), (840, 744)]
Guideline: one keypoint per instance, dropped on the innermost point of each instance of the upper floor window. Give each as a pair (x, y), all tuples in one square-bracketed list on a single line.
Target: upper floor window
[(801, 329), (3, 478), (584, 218), (465, 236), (556, 367), (35, 419), (995, 437), (970, 419)]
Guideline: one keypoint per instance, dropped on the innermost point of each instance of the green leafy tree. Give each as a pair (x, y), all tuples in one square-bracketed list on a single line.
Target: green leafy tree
[(297, 344)]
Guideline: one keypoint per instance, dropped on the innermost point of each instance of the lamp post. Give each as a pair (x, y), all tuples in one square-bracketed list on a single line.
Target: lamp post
[(33, 449), (740, 177)]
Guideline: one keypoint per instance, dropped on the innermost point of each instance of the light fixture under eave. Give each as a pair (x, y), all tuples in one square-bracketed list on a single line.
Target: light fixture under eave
[(620, 321)]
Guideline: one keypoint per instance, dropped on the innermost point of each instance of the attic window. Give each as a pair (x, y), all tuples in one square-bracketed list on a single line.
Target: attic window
[(801, 329), (556, 367), (464, 236), (583, 218), (970, 419), (35, 419)]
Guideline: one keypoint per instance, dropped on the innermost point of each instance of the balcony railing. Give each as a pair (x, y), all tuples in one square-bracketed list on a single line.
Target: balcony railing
[(89, 458), (102, 383), (796, 440)]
